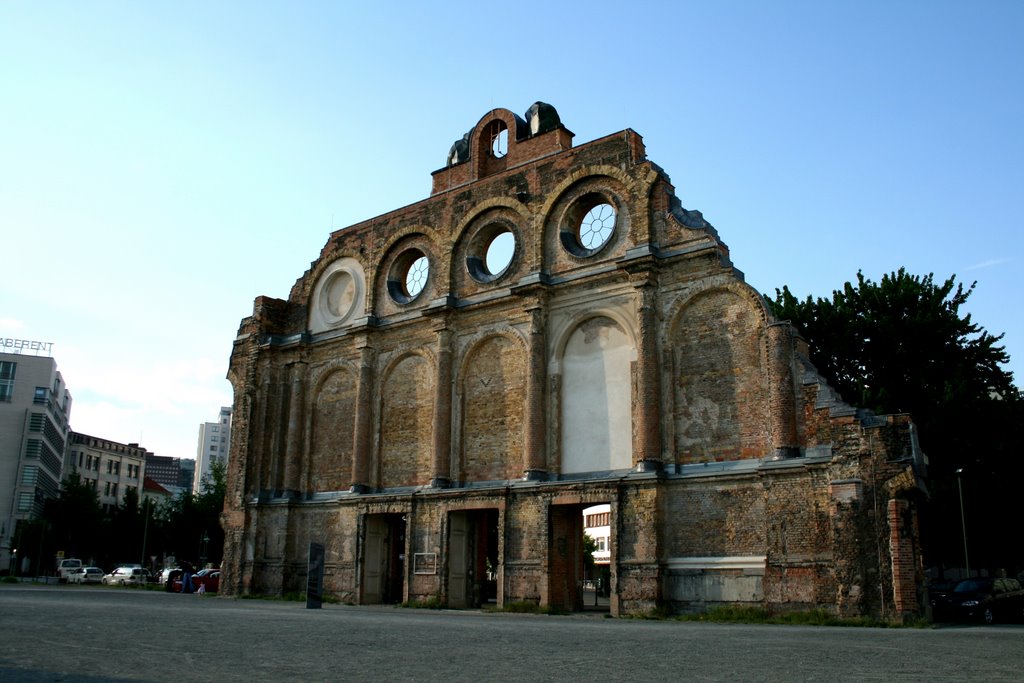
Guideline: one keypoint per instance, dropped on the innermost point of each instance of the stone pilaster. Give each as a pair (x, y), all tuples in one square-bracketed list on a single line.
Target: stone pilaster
[(296, 424), (440, 476), (782, 394), (534, 440), (362, 436), (647, 440)]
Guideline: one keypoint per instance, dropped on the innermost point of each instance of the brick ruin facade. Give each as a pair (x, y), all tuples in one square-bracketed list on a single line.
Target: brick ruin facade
[(438, 422)]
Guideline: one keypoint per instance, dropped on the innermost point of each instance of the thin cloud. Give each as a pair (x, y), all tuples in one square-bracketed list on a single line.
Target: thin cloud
[(987, 264), (11, 324)]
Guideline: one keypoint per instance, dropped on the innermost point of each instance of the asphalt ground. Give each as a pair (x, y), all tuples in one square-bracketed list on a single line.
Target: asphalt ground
[(77, 633)]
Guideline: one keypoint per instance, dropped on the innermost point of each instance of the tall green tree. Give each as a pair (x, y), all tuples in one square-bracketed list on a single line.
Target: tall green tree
[(75, 520), (188, 526), (904, 345)]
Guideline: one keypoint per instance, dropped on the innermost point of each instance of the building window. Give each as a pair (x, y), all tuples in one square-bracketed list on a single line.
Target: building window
[(40, 396), (602, 544), (25, 501), (497, 133), (117, 467), (106, 488), (408, 276), (589, 225), (113, 490), (29, 474), (7, 371), (215, 428)]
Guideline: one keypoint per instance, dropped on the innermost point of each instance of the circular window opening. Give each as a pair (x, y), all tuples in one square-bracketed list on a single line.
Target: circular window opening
[(416, 276), (589, 225), (408, 276), (500, 252), (491, 251), (596, 226)]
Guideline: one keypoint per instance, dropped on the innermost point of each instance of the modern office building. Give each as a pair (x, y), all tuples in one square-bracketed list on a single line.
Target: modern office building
[(113, 469), (35, 407), (596, 525), (214, 441), (173, 474)]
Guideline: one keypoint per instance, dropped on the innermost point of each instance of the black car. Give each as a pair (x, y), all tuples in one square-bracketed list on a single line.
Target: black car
[(981, 599)]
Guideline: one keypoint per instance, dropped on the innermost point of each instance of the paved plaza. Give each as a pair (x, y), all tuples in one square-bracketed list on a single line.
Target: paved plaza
[(72, 633)]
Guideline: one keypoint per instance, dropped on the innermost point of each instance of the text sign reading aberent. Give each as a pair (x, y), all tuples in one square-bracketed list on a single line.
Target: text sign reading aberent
[(19, 345)]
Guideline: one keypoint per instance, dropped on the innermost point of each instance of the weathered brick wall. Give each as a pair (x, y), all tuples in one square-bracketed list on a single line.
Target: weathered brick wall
[(905, 553), (467, 383), (721, 406), (636, 574), (333, 422), (493, 399), (425, 530), (405, 433), (526, 542), (710, 518)]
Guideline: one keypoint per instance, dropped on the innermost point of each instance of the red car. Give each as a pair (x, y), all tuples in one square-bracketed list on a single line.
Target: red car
[(208, 578)]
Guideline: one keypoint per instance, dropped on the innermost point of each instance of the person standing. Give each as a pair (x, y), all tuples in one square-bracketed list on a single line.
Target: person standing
[(187, 570)]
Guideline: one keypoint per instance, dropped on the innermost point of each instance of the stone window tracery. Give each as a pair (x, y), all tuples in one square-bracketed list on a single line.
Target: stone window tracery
[(409, 276), (590, 224)]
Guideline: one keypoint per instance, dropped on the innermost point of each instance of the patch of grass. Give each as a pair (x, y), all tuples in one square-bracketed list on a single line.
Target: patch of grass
[(524, 607), (294, 596), (433, 602), (814, 617), (11, 579)]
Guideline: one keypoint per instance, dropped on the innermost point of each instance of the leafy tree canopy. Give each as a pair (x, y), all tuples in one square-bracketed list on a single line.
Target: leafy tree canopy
[(903, 345)]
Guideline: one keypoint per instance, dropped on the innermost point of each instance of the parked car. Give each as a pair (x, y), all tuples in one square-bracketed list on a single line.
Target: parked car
[(126, 576), (86, 575), (208, 578), (164, 575), (940, 590), (985, 599), (65, 566), (172, 583)]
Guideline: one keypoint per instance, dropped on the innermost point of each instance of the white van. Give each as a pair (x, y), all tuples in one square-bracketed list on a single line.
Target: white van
[(66, 566)]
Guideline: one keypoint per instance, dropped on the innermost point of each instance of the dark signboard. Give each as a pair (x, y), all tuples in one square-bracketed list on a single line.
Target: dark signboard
[(315, 576)]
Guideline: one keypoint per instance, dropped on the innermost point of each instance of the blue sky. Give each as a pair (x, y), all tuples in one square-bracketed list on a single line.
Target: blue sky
[(162, 164)]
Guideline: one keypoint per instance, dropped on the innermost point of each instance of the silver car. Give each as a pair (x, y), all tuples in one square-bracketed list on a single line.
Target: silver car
[(86, 575), (126, 576)]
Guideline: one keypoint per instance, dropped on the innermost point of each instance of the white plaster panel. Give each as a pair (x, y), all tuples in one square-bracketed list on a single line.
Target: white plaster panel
[(597, 429), (339, 296)]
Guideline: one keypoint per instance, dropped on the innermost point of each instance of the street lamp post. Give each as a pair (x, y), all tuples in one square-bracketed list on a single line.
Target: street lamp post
[(963, 522), (203, 541), (145, 531)]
